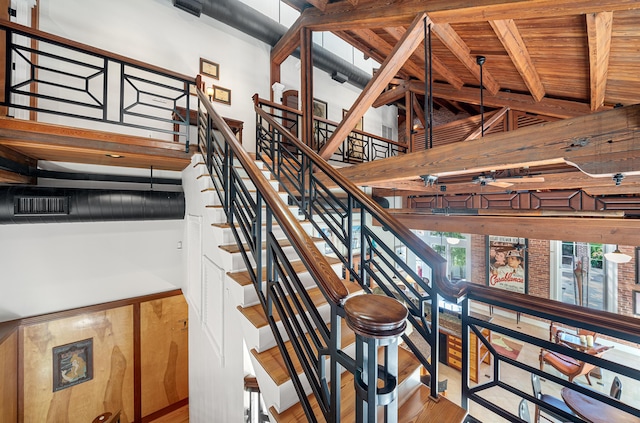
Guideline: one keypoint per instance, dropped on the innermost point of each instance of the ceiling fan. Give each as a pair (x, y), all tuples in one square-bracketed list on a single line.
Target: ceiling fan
[(506, 182)]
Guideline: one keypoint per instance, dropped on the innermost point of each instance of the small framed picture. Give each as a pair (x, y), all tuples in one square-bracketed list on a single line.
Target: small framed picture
[(221, 95), (193, 88), (319, 108), (209, 68), (72, 364)]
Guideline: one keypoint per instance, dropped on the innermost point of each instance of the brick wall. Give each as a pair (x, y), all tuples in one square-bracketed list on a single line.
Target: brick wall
[(539, 273), (627, 282)]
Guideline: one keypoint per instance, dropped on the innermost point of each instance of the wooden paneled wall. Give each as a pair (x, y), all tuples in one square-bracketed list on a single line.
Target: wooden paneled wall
[(111, 388), (140, 362), (9, 378), (164, 346)]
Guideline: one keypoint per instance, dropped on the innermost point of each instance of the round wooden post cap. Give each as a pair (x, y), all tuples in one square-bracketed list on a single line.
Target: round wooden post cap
[(376, 316)]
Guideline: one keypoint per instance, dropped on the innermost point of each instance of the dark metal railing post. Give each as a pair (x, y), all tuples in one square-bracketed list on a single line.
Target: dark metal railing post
[(464, 399), (376, 381), (435, 344)]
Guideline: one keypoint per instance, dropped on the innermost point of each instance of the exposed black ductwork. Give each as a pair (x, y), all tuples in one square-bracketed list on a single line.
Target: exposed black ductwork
[(253, 23), (48, 205)]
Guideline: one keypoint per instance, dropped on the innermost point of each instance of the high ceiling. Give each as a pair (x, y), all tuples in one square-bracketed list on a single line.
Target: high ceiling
[(551, 59)]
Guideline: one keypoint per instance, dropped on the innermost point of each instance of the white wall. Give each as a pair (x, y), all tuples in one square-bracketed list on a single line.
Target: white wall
[(156, 32), (53, 267)]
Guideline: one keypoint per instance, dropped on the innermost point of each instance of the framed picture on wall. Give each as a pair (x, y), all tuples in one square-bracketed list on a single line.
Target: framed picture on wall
[(360, 123), (72, 364), (319, 108), (221, 95), (209, 68), (507, 263)]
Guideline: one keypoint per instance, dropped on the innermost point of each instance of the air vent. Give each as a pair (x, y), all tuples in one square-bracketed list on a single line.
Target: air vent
[(192, 6), (41, 206)]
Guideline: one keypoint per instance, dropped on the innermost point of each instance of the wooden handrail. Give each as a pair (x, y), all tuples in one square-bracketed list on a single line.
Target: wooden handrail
[(257, 101), (600, 321), (437, 263), (300, 239), (35, 33)]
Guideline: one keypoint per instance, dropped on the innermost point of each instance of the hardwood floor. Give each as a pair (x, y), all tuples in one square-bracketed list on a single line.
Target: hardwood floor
[(181, 415)]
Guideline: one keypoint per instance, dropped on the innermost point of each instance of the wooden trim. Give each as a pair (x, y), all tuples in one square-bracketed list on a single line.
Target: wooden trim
[(97, 307), (168, 409), (6, 329), (137, 364), (20, 380)]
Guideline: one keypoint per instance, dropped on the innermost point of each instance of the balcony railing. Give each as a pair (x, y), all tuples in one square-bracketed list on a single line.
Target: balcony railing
[(55, 76), (358, 147)]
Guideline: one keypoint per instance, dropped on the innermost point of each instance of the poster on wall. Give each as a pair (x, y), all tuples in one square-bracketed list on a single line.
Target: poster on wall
[(507, 263), (72, 364)]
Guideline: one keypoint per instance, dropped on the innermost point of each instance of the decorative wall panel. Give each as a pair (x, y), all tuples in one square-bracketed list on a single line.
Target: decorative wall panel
[(111, 388)]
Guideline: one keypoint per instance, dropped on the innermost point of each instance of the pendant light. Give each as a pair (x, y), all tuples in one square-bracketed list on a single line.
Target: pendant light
[(617, 257)]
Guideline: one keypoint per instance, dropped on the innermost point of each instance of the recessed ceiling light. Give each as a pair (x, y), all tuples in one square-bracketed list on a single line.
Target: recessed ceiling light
[(114, 156)]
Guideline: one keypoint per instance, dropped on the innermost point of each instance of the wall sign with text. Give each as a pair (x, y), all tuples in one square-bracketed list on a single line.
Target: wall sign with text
[(507, 263)]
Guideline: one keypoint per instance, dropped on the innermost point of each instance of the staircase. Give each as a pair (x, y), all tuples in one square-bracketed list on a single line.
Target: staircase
[(277, 388)]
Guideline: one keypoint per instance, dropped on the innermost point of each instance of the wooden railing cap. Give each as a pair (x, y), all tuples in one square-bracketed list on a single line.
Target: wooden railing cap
[(375, 316)]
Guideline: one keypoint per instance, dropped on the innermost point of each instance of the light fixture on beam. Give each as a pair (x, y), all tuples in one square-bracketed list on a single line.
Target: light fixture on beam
[(617, 257)]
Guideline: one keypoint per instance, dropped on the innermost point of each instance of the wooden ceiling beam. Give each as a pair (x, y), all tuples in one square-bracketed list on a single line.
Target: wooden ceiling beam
[(288, 43), (418, 110), (381, 46), (320, 4), (447, 74), (562, 109), (569, 141), (552, 181), (344, 15), (599, 27), (392, 95), (17, 157), (388, 70), (510, 37), (459, 48), (488, 124), (596, 230)]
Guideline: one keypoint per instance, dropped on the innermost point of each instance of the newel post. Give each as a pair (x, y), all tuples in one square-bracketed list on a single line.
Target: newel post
[(378, 321)]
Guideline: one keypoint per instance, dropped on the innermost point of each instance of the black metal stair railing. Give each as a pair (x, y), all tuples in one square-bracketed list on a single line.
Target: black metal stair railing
[(506, 369), (289, 309), (358, 147), (344, 217), (50, 74)]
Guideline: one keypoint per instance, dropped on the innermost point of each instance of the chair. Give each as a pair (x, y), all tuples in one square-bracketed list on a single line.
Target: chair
[(616, 388), (547, 399), (569, 366), (523, 411)]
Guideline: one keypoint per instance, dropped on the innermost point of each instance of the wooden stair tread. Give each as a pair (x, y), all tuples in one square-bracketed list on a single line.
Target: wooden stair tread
[(420, 407), (243, 278), (407, 364), (255, 313), (234, 248), (273, 362)]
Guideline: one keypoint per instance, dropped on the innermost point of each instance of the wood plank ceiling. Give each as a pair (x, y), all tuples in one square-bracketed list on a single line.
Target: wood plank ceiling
[(555, 59)]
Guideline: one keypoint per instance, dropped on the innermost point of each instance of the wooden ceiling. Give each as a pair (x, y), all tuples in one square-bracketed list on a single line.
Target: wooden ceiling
[(560, 59)]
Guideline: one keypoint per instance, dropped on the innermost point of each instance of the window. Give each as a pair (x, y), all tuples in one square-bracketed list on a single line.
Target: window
[(582, 274)]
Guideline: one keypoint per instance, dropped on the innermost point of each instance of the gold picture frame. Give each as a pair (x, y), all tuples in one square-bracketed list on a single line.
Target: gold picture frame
[(209, 68), (221, 95)]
